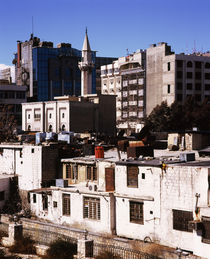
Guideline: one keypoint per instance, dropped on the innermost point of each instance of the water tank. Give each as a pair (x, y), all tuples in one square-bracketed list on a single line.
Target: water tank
[(99, 152)]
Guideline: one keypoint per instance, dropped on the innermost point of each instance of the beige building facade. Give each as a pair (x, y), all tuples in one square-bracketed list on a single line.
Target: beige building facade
[(175, 77)]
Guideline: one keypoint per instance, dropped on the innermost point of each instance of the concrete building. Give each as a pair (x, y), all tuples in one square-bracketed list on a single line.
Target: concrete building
[(125, 78), (174, 77), (90, 113), (11, 97), (155, 201), (86, 202), (4, 189), (35, 166), (51, 71)]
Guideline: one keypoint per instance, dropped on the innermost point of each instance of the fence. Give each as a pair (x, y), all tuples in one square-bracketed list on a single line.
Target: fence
[(125, 253), (46, 233)]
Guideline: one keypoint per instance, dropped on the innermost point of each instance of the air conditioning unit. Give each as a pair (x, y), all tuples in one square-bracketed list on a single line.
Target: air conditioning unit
[(92, 187)]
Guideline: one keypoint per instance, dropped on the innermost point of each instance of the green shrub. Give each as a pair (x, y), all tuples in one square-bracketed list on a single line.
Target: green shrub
[(107, 255), (61, 249), (25, 245)]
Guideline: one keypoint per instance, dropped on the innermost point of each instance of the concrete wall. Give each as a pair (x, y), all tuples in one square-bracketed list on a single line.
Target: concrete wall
[(173, 188), (104, 225)]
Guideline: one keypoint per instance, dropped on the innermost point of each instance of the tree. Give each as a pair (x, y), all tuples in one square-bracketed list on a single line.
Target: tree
[(8, 122), (179, 117)]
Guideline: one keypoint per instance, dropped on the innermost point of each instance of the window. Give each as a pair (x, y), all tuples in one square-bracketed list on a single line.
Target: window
[(50, 115), (198, 64), (66, 204), (189, 64), (91, 173), (63, 114), (179, 74), (206, 230), (207, 87), (207, 65), (132, 176), (189, 86), (179, 97), (189, 75), (29, 116), (179, 86), (207, 75), (181, 219), (71, 171), (55, 204), (91, 208), (198, 75), (2, 196), (169, 66), (136, 212), (34, 198), (198, 86), (32, 150), (45, 201), (169, 89), (179, 63), (50, 127), (143, 175)]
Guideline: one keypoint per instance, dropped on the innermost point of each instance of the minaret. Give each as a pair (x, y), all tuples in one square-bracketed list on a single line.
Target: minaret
[(86, 66)]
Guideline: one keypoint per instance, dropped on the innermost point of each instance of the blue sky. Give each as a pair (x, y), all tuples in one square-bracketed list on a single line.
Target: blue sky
[(113, 25)]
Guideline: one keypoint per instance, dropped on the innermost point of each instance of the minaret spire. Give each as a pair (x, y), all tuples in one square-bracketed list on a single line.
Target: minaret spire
[(86, 66)]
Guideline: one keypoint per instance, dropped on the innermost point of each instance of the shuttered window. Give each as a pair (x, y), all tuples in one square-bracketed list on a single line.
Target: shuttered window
[(91, 173), (110, 179), (71, 171), (206, 230), (132, 176), (181, 220), (137, 212), (66, 204), (91, 208)]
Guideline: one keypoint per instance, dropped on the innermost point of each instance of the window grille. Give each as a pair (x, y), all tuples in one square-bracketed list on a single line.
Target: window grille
[(136, 212), (66, 204), (181, 219), (91, 208)]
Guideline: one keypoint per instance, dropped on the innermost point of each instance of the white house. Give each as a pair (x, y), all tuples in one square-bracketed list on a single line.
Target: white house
[(88, 113)]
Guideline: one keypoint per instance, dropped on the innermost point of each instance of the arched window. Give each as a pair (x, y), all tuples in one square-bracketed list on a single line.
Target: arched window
[(50, 127), (207, 65), (189, 64), (63, 127), (29, 127)]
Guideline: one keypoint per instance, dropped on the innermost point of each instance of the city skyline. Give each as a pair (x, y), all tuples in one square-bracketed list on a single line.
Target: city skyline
[(114, 28)]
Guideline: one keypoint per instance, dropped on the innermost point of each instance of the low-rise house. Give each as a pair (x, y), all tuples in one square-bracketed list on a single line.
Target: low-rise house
[(35, 165), (164, 203), (4, 189), (163, 200)]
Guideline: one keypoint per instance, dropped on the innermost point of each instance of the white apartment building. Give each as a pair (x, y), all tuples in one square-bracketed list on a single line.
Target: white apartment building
[(125, 78)]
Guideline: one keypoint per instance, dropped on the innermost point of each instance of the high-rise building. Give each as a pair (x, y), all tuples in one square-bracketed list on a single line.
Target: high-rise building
[(50, 71), (125, 78)]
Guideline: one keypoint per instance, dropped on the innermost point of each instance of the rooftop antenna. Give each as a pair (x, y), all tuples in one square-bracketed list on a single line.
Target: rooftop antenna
[(32, 25), (194, 48)]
